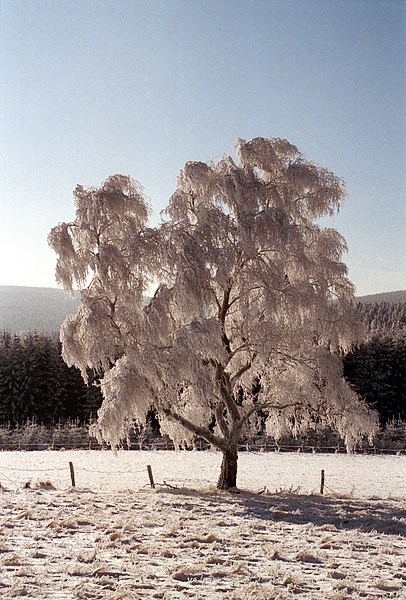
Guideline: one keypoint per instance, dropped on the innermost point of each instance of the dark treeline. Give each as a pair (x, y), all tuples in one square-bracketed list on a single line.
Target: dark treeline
[(376, 368), (36, 384)]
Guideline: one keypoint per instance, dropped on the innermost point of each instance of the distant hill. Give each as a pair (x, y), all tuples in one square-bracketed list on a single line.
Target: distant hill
[(389, 297), (24, 309)]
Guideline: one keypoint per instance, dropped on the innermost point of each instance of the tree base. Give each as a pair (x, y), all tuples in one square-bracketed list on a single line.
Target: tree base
[(228, 472)]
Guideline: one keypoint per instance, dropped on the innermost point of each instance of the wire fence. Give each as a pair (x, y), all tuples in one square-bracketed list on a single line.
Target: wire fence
[(264, 446), (13, 475), (68, 478), (68, 475)]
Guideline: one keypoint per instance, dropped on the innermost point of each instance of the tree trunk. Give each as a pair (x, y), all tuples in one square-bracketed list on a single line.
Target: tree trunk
[(228, 473)]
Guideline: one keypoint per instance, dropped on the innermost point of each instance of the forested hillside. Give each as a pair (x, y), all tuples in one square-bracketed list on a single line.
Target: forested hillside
[(376, 368), (390, 297), (377, 371), (383, 319)]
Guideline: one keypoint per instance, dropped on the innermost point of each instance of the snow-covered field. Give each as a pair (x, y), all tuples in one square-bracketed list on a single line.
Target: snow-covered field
[(113, 537)]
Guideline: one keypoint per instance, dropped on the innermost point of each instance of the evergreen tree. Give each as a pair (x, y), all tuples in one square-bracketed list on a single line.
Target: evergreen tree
[(11, 378), (377, 371), (37, 385), (6, 378)]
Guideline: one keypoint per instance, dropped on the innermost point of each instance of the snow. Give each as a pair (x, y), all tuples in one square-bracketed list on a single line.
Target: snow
[(113, 537)]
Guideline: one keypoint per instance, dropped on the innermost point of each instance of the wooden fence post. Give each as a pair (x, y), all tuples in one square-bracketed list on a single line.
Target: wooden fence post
[(72, 474), (151, 477), (322, 482)]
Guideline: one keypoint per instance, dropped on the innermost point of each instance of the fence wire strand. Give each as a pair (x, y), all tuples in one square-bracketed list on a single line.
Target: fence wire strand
[(35, 470), (110, 472)]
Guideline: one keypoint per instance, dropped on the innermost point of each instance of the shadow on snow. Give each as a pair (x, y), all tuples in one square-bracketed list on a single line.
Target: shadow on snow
[(344, 513)]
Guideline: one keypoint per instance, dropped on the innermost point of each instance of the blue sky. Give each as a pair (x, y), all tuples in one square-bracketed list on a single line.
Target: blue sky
[(90, 88)]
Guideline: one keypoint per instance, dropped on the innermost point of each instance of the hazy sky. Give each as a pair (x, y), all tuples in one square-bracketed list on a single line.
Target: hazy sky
[(90, 88)]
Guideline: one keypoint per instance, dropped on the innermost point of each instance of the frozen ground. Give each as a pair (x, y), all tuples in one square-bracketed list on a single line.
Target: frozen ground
[(113, 537)]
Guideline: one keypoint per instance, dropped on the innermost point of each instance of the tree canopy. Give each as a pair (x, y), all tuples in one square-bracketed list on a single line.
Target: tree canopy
[(252, 304)]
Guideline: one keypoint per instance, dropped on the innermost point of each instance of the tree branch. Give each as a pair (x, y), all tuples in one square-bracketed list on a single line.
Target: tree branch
[(241, 372), (267, 405), (202, 432), (238, 349), (222, 318), (223, 380), (221, 422)]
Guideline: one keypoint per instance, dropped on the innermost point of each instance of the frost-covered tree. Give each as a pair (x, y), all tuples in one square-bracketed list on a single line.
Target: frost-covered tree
[(251, 290)]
